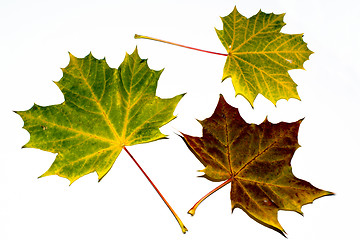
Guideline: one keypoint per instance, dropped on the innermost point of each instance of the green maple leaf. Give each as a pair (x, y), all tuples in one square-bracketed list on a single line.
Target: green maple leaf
[(255, 159), (105, 109), (259, 55)]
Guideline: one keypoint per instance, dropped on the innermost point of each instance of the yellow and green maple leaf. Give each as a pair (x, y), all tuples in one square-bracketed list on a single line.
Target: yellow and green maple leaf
[(104, 110), (259, 55)]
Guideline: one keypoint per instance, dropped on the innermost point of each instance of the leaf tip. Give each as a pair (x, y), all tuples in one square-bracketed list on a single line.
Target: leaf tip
[(45, 174), (281, 16), (71, 182), (136, 50), (100, 178), (70, 54), (26, 145)]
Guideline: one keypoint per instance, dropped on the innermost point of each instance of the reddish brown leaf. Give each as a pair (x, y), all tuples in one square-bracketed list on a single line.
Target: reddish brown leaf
[(256, 160)]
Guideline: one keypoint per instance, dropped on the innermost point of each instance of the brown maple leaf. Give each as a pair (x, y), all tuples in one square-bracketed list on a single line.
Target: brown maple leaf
[(255, 159)]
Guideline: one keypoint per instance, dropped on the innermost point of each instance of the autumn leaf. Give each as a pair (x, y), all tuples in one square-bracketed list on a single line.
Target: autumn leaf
[(259, 55), (105, 109), (255, 159)]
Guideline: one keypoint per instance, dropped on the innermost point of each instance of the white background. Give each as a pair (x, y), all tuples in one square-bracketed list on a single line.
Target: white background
[(35, 38)]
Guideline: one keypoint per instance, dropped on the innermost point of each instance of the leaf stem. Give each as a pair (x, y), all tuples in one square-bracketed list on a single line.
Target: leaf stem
[(192, 210), (183, 228), (159, 40)]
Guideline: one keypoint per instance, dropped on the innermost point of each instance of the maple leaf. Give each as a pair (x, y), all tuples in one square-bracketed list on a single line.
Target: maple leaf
[(259, 55), (105, 109), (255, 159)]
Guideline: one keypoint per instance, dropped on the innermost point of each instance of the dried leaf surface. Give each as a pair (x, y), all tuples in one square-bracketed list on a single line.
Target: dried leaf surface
[(256, 158)]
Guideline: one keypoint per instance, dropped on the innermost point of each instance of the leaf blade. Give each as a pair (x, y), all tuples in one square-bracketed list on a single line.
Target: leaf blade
[(259, 56), (259, 168), (105, 109)]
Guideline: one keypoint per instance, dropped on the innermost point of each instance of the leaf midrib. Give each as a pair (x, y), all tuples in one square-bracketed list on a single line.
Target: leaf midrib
[(228, 147), (262, 71), (129, 105), (73, 130), (269, 184), (255, 34), (266, 52), (254, 158), (105, 116)]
